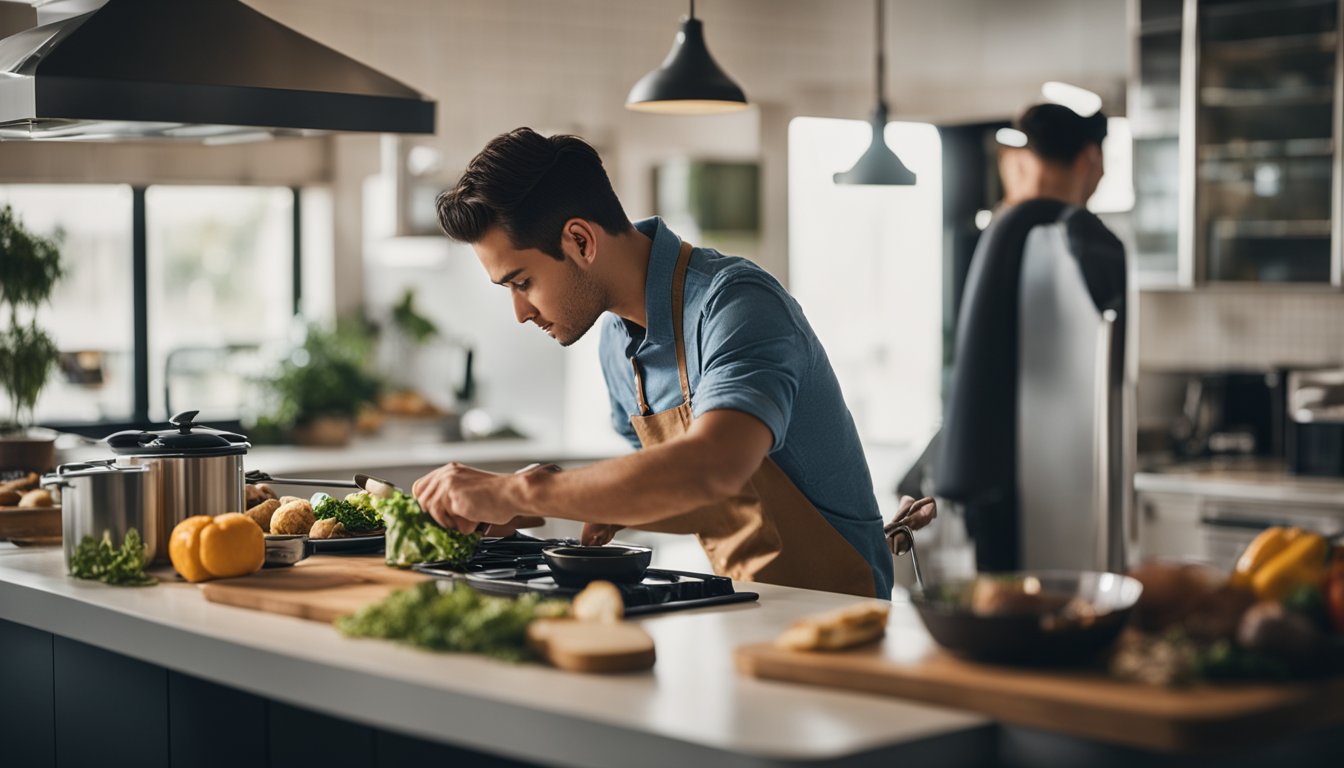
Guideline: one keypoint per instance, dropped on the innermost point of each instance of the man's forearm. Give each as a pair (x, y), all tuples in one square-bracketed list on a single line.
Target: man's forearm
[(649, 485)]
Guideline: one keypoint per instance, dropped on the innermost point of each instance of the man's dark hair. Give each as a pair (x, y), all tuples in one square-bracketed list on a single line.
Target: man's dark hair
[(530, 185), (1055, 132)]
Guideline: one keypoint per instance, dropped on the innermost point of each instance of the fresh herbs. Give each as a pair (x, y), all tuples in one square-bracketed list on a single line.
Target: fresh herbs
[(414, 537), (99, 560), (355, 512), (455, 619)]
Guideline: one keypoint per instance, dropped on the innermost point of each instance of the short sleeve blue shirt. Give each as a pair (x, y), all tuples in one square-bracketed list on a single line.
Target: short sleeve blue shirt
[(748, 348)]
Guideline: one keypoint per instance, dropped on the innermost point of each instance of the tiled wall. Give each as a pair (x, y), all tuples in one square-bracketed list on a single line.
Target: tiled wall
[(1210, 330)]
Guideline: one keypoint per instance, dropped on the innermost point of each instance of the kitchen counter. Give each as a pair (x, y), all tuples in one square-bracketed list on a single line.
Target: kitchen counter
[(692, 708), (1255, 481)]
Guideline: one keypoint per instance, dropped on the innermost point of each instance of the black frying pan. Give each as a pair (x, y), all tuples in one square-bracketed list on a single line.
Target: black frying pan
[(575, 566)]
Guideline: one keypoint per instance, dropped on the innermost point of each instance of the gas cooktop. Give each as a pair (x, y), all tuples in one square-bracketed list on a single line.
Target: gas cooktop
[(513, 565)]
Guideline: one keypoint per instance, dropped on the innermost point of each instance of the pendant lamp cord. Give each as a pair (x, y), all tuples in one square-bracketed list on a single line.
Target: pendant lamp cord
[(881, 53), (692, 9)]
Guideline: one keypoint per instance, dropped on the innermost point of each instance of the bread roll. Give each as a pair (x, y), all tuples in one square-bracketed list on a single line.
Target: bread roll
[(38, 498), (838, 629)]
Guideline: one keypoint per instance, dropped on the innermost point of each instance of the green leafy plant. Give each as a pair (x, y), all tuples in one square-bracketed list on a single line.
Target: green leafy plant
[(120, 566), (355, 512), (414, 537), (416, 326), (461, 620), (323, 377), (30, 266)]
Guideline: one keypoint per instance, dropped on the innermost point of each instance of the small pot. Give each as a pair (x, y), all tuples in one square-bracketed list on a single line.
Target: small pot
[(100, 496), (194, 470), (576, 566)]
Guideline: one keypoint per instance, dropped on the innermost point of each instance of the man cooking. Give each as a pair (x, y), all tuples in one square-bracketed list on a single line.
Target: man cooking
[(711, 369)]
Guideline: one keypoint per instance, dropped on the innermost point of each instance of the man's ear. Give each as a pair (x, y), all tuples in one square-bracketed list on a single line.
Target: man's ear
[(580, 241)]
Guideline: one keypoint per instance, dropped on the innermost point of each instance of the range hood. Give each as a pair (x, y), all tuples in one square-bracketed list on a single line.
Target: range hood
[(213, 71)]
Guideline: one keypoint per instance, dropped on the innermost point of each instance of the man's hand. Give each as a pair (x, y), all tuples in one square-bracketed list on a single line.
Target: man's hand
[(911, 513), (460, 498), (598, 534)]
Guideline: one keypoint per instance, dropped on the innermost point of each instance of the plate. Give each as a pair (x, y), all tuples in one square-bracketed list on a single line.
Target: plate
[(349, 545)]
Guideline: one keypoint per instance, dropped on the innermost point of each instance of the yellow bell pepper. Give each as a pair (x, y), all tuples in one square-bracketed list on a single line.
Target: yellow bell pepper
[(204, 547), (1301, 562), (1261, 550)]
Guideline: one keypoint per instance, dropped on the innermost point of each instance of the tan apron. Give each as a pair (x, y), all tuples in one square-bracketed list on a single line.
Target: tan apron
[(768, 532)]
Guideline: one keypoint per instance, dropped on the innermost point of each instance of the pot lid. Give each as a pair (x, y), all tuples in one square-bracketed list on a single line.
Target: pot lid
[(187, 438)]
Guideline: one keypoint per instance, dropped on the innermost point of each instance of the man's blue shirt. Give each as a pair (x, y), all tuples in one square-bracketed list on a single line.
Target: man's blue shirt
[(748, 348)]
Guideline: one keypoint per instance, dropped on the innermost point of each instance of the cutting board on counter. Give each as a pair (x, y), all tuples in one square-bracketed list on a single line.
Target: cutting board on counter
[(320, 588), (1081, 703), (30, 522)]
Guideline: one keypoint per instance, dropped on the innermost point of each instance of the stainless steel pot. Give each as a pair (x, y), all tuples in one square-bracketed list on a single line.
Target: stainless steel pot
[(100, 496), (193, 470)]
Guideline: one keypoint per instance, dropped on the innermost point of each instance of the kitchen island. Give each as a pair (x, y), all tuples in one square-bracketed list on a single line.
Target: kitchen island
[(691, 709), (160, 676)]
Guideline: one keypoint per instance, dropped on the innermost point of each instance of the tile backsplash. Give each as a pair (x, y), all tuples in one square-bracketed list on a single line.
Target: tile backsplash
[(1224, 329)]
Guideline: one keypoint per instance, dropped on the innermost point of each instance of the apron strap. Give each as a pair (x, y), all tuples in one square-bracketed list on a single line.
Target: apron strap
[(678, 309)]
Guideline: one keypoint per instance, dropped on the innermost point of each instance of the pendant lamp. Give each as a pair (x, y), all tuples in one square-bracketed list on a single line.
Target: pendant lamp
[(878, 164), (689, 82)]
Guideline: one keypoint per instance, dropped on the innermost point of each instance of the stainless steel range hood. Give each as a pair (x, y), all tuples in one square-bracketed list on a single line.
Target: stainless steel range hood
[(200, 70)]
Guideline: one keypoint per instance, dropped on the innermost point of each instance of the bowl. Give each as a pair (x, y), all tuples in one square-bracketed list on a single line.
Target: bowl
[(1030, 617), (575, 566)]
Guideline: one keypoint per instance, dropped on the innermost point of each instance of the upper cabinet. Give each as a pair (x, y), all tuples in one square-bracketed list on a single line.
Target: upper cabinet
[(1241, 153)]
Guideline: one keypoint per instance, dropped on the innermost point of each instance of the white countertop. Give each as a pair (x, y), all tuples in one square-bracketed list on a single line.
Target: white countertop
[(692, 708), (1243, 480)]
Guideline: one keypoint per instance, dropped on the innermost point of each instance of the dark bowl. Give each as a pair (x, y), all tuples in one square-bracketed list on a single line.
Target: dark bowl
[(574, 566), (1042, 617)]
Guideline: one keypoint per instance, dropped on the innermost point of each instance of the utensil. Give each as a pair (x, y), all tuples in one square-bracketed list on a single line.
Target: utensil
[(287, 548), (98, 496), (575, 566), (1033, 617), (361, 481), (193, 469)]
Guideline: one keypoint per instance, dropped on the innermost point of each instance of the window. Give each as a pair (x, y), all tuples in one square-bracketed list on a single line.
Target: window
[(90, 315), (866, 265), (220, 286), (179, 317)]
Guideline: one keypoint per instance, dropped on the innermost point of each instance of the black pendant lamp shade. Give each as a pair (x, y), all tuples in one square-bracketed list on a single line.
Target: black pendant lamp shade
[(878, 164), (689, 82)]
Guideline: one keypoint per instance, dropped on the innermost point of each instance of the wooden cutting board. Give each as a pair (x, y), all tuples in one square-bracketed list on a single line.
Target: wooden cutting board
[(1079, 703), (320, 588), (30, 522)]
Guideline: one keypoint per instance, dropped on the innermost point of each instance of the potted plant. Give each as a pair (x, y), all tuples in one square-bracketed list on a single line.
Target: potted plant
[(320, 387), (30, 265)]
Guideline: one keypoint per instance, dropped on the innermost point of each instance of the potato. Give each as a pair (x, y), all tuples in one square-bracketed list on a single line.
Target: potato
[(37, 498), (9, 498), (256, 494), (21, 484), (261, 514), (328, 528), (294, 517)]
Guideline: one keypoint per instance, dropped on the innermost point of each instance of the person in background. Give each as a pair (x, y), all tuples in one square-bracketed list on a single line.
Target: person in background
[(711, 368), (1050, 164)]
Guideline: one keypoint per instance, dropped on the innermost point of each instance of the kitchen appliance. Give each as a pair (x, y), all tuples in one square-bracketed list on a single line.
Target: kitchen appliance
[(1315, 428), (515, 565), (193, 469), (100, 497), (215, 71), (1230, 414)]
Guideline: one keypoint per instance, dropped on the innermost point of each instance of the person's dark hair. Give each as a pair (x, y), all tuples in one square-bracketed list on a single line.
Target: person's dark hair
[(530, 185), (1057, 133)]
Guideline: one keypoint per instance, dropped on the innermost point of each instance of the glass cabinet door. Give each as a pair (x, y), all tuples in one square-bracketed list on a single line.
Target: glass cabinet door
[(1265, 146), (1155, 123)]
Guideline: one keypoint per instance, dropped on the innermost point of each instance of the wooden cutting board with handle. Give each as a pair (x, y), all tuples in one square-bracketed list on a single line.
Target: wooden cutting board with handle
[(323, 588), (1083, 703), (30, 522), (320, 588)]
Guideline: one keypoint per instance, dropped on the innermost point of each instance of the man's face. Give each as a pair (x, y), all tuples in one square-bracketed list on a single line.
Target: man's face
[(559, 296)]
